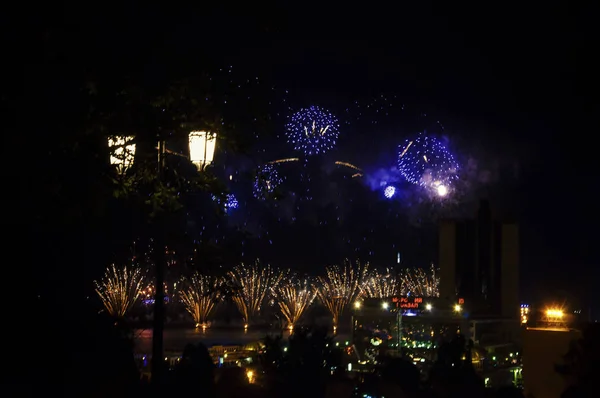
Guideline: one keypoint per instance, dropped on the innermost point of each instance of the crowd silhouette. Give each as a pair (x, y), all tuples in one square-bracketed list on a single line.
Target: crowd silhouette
[(101, 364)]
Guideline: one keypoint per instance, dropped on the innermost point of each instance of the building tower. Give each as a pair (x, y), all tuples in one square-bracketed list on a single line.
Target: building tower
[(479, 262)]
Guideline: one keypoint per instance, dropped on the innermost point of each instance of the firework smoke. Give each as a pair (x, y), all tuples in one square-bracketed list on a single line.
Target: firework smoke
[(341, 286), (253, 283), (294, 296), (120, 289), (199, 296)]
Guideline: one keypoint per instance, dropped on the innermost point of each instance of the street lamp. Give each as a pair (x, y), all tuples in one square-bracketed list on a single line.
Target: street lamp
[(122, 152), (202, 148)]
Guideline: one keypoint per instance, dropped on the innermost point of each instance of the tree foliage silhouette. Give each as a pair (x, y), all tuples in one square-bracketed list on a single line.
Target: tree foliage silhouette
[(305, 367), (453, 370), (195, 372), (581, 364)]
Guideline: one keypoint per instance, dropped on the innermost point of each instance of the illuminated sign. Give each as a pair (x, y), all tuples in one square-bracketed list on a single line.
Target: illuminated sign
[(461, 301), (408, 302)]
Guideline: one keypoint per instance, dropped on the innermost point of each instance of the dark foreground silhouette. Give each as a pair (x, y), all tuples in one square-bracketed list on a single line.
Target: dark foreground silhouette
[(311, 366)]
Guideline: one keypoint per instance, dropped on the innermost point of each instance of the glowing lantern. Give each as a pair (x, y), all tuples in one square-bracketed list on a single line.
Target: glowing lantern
[(202, 148), (122, 152)]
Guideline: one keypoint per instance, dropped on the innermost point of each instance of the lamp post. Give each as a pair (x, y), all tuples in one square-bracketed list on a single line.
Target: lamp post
[(399, 326), (202, 147), (158, 320)]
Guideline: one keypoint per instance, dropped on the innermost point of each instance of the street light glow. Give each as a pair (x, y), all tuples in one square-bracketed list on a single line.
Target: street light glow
[(385, 306), (122, 152), (428, 307), (357, 304), (202, 148), (457, 308)]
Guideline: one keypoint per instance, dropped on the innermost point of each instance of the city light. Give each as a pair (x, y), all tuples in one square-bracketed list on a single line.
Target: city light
[(385, 306), (457, 308), (524, 313), (357, 305), (428, 307), (250, 375), (554, 313)]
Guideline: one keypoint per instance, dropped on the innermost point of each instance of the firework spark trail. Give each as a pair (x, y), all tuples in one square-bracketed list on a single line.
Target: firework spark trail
[(380, 285), (120, 289), (294, 296), (199, 296), (341, 286), (254, 282), (418, 282)]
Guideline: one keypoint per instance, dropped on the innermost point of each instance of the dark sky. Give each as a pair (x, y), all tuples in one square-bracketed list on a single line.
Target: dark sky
[(508, 76)]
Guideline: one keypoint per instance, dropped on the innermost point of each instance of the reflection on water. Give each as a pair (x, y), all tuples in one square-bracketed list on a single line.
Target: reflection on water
[(176, 339)]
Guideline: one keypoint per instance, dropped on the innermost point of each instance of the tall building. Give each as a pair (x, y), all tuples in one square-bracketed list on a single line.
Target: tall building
[(479, 263)]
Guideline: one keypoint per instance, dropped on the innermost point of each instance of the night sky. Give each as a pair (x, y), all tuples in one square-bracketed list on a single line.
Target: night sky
[(510, 86)]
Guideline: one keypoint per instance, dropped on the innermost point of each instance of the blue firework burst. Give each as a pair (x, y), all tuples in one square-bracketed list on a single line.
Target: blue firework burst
[(312, 130), (389, 191), (266, 181), (230, 201), (425, 161)]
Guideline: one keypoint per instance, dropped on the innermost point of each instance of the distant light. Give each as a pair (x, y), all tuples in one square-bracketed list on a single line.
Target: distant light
[(389, 191), (428, 307), (554, 313), (457, 308), (357, 304), (385, 306)]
